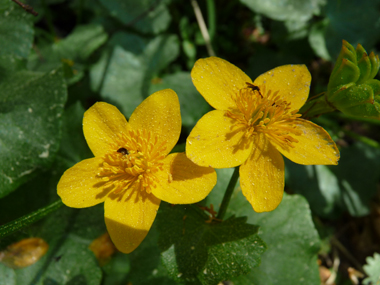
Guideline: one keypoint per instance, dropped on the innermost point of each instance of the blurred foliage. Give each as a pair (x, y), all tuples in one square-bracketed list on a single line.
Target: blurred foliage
[(372, 268), (56, 65)]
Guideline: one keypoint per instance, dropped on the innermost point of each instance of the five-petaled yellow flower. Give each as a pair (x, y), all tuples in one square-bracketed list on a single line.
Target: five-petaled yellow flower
[(253, 123), (132, 170)]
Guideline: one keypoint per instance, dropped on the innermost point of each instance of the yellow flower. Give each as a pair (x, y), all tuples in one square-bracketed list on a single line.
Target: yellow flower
[(253, 123), (132, 170)]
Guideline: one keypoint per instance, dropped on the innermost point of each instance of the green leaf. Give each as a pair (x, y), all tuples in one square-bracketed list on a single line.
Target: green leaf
[(372, 268), (129, 267), (358, 161), (72, 268), (72, 51), (16, 30), (194, 250), (10, 64), (292, 240), (288, 231), (34, 195), (331, 190), (149, 16), (68, 232), (8, 275), (122, 75), (153, 271), (28, 219), (193, 106), (31, 106), (296, 10), (39, 192), (317, 39), (77, 46), (318, 184), (116, 270), (74, 147)]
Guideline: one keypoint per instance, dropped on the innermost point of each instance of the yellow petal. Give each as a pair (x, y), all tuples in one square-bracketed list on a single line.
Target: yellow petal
[(101, 125), (218, 81), (129, 219), (293, 82), (262, 176), (160, 114), (80, 187), (314, 146), (217, 142), (182, 181)]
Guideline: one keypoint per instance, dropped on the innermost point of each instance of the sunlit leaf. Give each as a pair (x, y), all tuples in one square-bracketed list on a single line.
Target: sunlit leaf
[(31, 106)]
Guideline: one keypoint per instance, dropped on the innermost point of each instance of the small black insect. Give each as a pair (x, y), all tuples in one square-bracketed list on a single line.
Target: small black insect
[(123, 151), (254, 88)]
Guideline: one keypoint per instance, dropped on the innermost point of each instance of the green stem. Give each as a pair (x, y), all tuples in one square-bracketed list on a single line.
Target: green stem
[(360, 119), (362, 139), (211, 17), (356, 136), (199, 211), (227, 195), (316, 107), (337, 243), (26, 220)]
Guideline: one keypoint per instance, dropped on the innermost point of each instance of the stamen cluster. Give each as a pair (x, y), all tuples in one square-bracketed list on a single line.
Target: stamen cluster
[(133, 162), (265, 112)]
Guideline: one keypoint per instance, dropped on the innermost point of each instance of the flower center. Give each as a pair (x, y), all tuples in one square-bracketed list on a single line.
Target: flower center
[(133, 162), (265, 112)]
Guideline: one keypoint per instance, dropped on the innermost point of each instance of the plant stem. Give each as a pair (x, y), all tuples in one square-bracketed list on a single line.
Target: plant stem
[(211, 19), (227, 195), (316, 107), (359, 119), (356, 136), (348, 255), (27, 8), (363, 139), (202, 27), (26, 220)]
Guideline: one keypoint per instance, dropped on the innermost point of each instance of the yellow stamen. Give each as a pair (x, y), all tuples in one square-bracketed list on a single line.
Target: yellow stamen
[(265, 112), (133, 162)]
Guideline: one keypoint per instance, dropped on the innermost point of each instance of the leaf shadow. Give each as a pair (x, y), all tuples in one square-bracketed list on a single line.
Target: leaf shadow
[(191, 238)]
